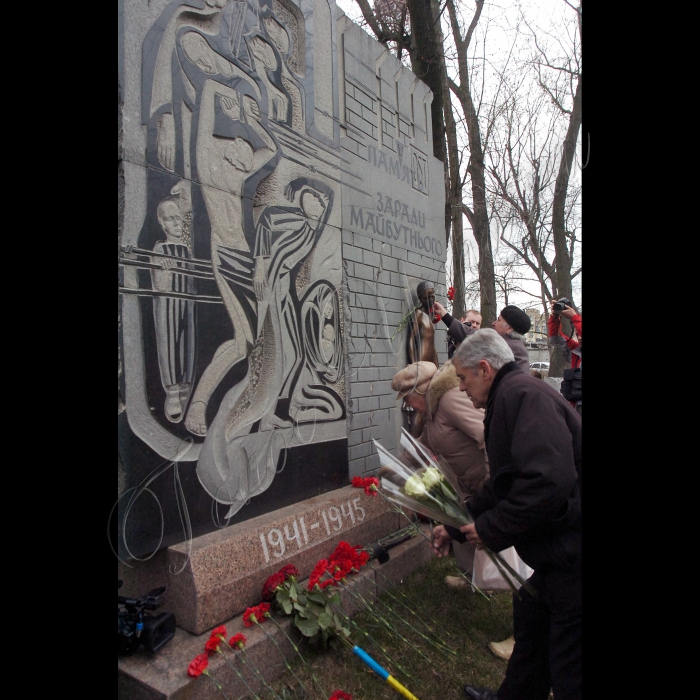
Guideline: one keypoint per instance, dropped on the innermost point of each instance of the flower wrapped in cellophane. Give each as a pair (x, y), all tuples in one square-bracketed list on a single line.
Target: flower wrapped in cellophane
[(424, 483)]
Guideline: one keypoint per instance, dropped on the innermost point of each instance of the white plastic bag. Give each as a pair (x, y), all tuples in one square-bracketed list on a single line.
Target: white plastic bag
[(487, 577)]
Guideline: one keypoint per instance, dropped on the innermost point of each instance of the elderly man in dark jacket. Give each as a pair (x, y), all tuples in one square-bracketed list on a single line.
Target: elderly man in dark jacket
[(532, 501), (511, 323)]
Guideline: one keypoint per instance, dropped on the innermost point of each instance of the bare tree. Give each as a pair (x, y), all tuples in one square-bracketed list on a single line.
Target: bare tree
[(477, 214), (530, 166), (425, 45)]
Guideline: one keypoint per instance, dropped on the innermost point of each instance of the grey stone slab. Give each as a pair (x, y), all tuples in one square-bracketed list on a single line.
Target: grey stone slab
[(374, 317), (362, 241), (365, 272), (359, 420), (361, 450), (358, 315), (355, 437), (356, 467), (384, 277), (370, 258), (352, 253), (366, 301), (368, 374), (350, 145), (382, 387), (387, 401), (358, 389), (369, 403)]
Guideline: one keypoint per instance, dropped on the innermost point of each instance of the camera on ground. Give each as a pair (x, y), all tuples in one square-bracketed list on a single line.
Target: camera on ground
[(137, 627)]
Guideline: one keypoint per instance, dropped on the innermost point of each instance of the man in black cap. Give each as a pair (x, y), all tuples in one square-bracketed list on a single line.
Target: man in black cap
[(513, 320)]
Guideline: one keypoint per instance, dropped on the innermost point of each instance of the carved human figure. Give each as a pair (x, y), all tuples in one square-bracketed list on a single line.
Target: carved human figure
[(228, 469), (224, 171), (421, 338), (285, 236), (174, 317)]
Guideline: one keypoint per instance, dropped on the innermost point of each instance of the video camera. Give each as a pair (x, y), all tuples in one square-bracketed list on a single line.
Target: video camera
[(561, 304), (136, 627)]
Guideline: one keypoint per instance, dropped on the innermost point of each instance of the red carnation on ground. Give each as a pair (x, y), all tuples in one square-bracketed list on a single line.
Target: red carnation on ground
[(256, 614), (290, 570), (271, 585), (221, 629), (198, 665), (315, 576), (361, 557), (340, 695), (366, 483), (340, 568), (238, 640), (212, 645), (451, 293)]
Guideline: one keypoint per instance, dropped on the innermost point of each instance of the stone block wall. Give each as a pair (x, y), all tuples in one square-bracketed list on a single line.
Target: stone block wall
[(393, 231)]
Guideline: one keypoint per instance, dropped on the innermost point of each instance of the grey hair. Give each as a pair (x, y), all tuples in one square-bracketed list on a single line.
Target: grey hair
[(485, 344)]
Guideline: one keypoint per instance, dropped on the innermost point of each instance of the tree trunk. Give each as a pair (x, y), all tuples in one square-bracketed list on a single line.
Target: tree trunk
[(425, 63), (562, 259), (478, 215)]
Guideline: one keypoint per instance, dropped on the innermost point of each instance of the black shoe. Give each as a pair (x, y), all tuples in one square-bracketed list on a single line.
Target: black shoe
[(480, 693)]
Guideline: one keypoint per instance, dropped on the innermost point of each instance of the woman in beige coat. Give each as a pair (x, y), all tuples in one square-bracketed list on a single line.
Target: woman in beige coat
[(453, 429)]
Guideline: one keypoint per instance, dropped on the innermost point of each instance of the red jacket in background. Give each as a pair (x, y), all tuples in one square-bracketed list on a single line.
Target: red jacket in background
[(558, 339)]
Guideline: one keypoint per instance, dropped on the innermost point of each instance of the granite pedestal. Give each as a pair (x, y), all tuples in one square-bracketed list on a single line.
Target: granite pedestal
[(164, 676)]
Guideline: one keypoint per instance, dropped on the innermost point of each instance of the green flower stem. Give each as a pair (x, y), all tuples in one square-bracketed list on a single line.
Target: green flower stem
[(243, 655), (382, 650), (299, 654), (404, 322), (277, 646), (410, 609), (436, 643), (398, 509), (379, 618), (238, 673), (215, 682)]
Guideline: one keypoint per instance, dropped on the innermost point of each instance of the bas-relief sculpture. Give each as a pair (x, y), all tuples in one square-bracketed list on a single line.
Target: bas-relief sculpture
[(238, 264)]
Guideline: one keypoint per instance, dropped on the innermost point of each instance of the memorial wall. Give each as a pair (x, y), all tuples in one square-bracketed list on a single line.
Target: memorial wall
[(279, 203)]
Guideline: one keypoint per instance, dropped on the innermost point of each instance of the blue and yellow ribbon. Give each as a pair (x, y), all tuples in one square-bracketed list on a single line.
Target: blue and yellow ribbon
[(383, 673)]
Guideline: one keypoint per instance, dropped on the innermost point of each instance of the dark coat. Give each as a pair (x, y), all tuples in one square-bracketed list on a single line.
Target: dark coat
[(519, 352), (532, 499), (457, 332)]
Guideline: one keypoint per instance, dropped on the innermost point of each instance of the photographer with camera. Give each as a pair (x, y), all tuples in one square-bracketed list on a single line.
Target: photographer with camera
[(572, 349)]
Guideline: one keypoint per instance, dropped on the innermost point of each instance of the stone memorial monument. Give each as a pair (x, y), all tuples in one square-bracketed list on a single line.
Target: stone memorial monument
[(279, 203)]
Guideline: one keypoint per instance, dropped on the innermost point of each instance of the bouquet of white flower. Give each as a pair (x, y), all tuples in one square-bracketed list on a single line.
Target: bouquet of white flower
[(432, 490)]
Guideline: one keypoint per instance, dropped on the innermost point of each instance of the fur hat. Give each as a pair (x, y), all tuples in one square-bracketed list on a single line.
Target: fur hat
[(415, 377), (517, 319)]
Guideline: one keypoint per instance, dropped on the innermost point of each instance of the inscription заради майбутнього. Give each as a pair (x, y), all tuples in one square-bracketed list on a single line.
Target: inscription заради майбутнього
[(331, 521), (387, 219), (389, 216)]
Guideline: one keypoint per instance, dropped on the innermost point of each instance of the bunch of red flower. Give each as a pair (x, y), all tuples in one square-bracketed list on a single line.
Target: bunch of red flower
[(316, 576), (366, 483), (218, 635), (344, 560), (277, 580), (199, 664), (256, 614), (451, 293), (437, 318)]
